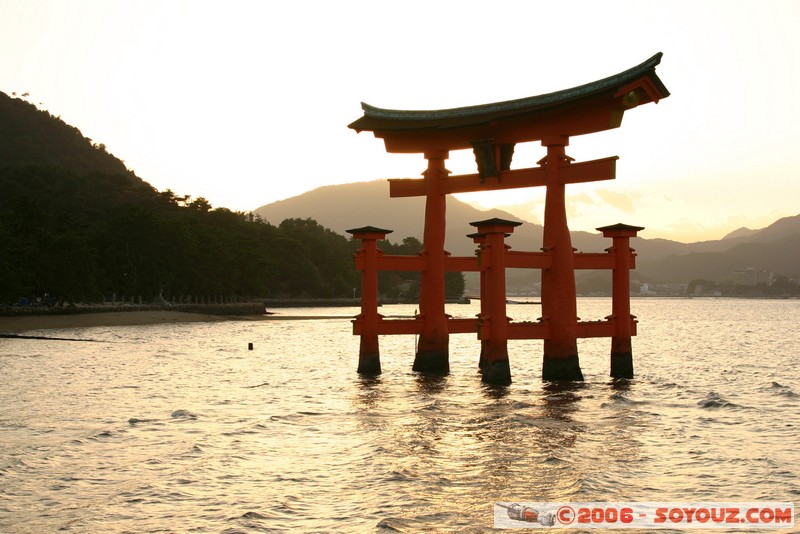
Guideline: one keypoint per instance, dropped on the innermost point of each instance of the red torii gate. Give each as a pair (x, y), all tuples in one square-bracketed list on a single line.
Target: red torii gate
[(492, 131)]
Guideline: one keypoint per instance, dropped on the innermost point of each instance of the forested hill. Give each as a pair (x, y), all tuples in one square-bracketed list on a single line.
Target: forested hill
[(77, 226), (32, 136)]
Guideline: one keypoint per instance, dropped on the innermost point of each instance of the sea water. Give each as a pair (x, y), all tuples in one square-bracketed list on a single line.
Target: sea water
[(181, 428)]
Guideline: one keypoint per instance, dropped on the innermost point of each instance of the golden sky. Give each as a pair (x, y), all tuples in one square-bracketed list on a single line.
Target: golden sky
[(246, 103)]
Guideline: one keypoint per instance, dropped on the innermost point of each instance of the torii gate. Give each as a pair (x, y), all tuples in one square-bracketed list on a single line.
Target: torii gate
[(492, 131)]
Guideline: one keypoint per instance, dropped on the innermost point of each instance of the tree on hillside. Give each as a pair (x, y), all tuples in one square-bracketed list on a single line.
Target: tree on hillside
[(327, 268)]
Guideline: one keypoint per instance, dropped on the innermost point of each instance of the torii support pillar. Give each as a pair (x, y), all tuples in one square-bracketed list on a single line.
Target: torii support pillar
[(621, 351), (494, 323), (480, 240), (369, 360), (432, 348), (559, 307)]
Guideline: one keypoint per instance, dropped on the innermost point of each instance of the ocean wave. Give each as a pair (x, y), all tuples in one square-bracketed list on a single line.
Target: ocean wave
[(715, 400), (784, 391), (182, 414)]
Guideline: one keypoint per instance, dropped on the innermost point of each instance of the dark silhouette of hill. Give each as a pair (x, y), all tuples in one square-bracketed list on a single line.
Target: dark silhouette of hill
[(30, 136), (77, 226), (352, 205)]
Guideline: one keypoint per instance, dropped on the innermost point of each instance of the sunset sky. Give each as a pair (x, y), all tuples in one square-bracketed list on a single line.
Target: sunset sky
[(246, 103)]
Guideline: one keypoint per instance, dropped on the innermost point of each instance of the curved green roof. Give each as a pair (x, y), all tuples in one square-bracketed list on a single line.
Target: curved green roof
[(375, 118)]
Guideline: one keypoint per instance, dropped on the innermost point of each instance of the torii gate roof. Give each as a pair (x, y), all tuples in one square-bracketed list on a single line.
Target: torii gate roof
[(588, 108)]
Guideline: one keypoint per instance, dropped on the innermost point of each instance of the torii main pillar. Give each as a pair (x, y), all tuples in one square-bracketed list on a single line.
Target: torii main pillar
[(559, 307), (432, 355)]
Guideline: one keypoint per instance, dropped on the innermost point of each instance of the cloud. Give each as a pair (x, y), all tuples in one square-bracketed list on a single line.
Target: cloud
[(581, 198), (625, 202), (576, 202)]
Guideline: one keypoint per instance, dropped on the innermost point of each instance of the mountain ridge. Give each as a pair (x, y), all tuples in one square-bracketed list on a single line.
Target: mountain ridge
[(30, 136), (344, 206)]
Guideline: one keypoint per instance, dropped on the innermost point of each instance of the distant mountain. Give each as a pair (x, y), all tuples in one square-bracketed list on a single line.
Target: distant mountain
[(781, 256), (341, 207), (775, 248), (352, 205), (740, 232)]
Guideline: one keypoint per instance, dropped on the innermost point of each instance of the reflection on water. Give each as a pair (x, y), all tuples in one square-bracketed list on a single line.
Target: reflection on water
[(430, 385), (180, 427)]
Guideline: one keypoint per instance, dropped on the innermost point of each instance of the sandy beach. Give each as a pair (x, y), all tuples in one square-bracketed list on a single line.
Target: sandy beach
[(121, 318)]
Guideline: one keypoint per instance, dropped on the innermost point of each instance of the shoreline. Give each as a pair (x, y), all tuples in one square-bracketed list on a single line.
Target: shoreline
[(24, 323)]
